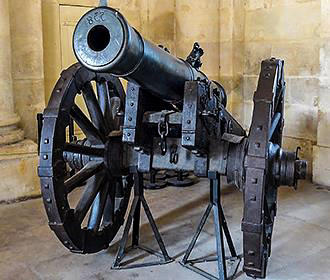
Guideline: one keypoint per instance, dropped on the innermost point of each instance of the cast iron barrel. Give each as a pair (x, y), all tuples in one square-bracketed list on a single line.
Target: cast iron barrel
[(103, 41)]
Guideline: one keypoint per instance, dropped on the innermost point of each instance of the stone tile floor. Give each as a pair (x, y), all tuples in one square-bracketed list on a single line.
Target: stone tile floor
[(301, 243)]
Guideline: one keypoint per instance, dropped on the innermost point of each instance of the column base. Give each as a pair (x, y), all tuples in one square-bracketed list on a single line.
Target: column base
[(11, 136), (9, 133), (18, 168)]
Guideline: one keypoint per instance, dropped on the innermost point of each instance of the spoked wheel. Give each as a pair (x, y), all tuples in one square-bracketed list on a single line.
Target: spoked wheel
[(267, 167), (85, 196)]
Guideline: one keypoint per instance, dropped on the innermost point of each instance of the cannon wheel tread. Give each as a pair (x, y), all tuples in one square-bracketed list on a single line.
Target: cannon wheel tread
[(260, 188), (105, 197)]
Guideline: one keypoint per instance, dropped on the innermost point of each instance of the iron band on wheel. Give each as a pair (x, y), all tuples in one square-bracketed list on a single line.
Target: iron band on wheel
[(108, 194)]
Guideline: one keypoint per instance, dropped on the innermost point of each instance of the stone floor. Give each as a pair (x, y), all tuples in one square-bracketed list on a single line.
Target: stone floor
[(301, 244)]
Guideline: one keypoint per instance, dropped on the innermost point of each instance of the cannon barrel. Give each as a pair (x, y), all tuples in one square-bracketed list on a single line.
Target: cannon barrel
[(103, 41)]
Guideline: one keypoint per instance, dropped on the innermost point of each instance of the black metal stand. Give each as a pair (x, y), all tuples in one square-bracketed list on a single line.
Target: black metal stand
[(221, 227), (134, 217)]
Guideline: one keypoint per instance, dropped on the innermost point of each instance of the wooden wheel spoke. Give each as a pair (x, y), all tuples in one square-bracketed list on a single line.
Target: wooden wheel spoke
[(97, 210), (82, 175), (275, 122), (104, 101), (83, 150), (86, 126), (109, 210), (103, 96), (93, 186), (94, 108)]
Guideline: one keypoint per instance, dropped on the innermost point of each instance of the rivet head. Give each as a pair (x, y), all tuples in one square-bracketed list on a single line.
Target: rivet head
[(132, 104), (46, 141), (188, 121), (188, 138), (251, 253), (254, 180), (46, 186), (257, 145), (45, 157), (48, 200), (128, 134), (130, 118)]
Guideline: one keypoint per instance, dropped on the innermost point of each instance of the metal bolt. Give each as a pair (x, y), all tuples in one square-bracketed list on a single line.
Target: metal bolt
[(253, 198), (46, 141), (128, 134), (47, 186), (188, 121), (267, 75), (132, 104), (48, 200), (188, 138), (45, 157)]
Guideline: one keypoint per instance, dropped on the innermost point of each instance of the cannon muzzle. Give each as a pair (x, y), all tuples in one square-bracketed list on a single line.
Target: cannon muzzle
[(103, 41)]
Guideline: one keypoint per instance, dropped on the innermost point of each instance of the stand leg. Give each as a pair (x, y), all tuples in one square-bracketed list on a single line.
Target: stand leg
[(227, 234), (155, 229), (134, 217), (124, 239), (215, 190), (197, 233), (138, 192), (221, 227)]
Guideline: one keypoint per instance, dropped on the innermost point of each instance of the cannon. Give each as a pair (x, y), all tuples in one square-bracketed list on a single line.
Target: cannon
[(171, 117)]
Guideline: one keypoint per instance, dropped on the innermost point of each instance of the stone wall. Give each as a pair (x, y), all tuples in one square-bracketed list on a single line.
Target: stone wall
[(298, 32), (235, 34)]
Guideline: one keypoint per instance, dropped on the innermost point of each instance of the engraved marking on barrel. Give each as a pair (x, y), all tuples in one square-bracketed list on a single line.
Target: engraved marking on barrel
[(98, 17)]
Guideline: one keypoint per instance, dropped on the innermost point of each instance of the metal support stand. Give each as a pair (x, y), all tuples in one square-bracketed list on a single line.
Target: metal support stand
[(221, 227), (134, 217)]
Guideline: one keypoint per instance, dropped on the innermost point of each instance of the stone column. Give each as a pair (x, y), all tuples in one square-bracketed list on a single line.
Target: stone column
[(9, 133), (27, 62), (198, 21), (18, 157)]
